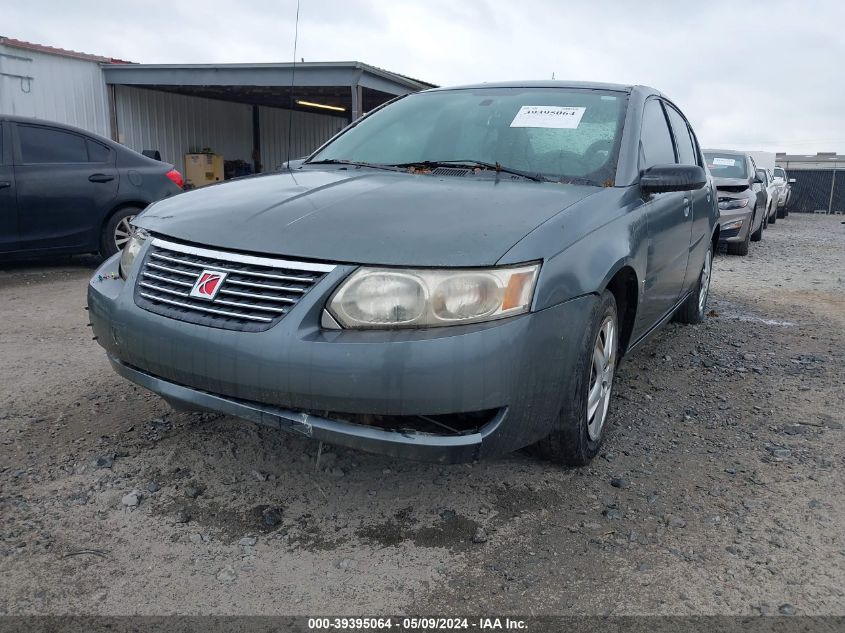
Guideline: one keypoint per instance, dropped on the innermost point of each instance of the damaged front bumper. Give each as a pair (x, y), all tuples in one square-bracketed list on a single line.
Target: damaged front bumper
[(503, 381)]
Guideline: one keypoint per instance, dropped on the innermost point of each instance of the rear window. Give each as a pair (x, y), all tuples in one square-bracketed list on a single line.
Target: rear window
[(98, 153), (46, 145), (726, 165)]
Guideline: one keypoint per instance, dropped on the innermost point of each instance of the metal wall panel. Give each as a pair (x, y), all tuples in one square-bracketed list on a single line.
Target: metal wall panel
[(176, 125), (309, 132), (62, 89)]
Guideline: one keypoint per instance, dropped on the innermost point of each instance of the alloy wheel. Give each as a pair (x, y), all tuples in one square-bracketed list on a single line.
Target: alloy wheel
[(601, 377), (123, 231), (705, 280)]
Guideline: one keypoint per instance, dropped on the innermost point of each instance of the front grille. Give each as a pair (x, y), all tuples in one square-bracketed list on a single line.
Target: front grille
[(254, 295), (729, 233)]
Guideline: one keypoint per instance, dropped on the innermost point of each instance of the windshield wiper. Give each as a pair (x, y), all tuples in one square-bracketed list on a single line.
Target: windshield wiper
[(471, 163), (336, 161)]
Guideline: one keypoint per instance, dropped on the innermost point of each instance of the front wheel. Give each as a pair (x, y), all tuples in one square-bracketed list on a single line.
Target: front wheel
[(757, 235), (740, 248), (692, 310), (117, 231), (579, 427)]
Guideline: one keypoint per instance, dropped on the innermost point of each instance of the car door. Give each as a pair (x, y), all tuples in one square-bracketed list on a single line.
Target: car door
[(764, 188), (669, 221), (700, 200), (8, 203), (759, 188), (65, 184)]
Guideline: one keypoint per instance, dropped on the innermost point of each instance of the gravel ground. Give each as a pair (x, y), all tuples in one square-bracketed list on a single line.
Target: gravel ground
[(719, 489)]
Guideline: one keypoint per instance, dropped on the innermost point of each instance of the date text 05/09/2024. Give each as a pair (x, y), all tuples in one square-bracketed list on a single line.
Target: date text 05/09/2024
[(418, 624)]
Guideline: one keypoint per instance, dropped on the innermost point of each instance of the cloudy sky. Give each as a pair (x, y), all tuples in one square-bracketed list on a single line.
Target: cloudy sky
[(751, 74)]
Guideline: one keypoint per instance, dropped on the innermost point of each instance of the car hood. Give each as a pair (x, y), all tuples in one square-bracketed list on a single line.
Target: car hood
[(364, 216), (731, 184)]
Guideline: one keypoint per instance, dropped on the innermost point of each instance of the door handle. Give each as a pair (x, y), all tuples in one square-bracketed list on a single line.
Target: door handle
[(100, 178), (5, 184)]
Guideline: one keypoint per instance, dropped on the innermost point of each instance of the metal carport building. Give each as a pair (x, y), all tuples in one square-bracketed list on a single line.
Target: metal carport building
[(243, 111)]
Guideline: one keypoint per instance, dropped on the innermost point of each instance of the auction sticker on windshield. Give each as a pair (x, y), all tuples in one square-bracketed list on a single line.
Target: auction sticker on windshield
[(727, 162), (559, 117)]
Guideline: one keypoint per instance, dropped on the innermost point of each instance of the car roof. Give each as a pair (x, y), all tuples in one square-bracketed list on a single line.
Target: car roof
[(125, 152), (583, 85), (56, 124), (734, 152)]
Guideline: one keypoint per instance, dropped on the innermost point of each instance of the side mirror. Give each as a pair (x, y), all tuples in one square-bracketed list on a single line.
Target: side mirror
[(666, 178)]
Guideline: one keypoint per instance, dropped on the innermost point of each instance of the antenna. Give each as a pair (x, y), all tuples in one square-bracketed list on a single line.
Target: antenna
[(292, 82)]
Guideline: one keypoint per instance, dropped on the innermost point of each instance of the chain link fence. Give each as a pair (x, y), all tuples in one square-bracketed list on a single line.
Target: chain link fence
[(817, 190)]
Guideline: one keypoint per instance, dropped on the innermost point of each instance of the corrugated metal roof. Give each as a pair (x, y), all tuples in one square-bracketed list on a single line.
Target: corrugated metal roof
[(63, 52), (823, 161), (416, 84), (139, 71), (821, 157)]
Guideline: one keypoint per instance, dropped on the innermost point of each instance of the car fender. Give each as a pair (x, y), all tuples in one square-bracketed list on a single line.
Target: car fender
[(583, 247)]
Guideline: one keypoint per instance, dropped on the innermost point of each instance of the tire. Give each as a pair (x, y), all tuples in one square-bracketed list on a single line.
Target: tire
[(693, 309), (116, 231), (740, 248), (757, 235), (576, 438), (765, 223), (774, 217), (781, 213), (785, 212)]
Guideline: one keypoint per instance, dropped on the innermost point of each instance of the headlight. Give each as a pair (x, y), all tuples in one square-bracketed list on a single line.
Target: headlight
[(733, 224), (391, 298), (130, 251), (733, 203)]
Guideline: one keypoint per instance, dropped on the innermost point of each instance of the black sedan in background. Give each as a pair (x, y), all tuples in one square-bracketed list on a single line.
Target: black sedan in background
[(64, 190)]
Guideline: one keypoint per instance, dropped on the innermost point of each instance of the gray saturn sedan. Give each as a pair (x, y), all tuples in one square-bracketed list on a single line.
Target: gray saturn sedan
[(454, 276)]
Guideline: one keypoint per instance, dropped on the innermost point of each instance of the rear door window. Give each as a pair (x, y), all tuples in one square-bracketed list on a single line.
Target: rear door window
[(47, 145), (655, 139), (683, 142), (97, 152)]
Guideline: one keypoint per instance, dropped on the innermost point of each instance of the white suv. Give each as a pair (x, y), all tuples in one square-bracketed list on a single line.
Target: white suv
[(780, 179)]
